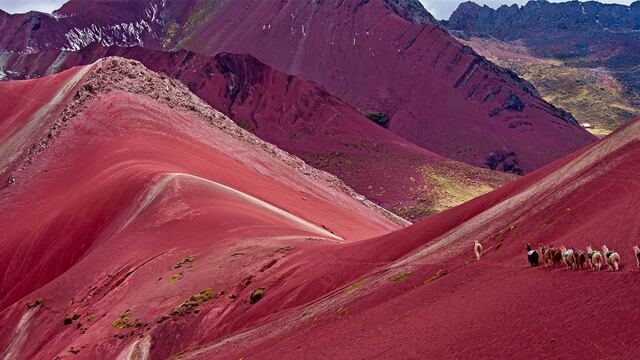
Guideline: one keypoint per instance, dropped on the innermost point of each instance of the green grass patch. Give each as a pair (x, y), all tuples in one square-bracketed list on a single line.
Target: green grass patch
[(122, 322), (188, 260), (189, 306), (351, 288), (402, 277)]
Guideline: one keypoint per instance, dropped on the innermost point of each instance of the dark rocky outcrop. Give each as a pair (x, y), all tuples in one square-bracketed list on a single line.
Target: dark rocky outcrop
[(513, 103), (504, 160), (516, 22)]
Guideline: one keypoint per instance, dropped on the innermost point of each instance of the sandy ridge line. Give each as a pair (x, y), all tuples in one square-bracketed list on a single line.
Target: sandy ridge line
[(21, 332), (156, 189), (18, 139), (113, 73), (274, 209)]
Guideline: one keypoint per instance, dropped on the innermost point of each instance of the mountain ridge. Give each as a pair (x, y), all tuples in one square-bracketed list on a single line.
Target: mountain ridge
[(581, 55), (304, 119), (415, 74)]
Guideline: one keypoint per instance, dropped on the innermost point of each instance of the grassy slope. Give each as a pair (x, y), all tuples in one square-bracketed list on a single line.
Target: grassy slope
[(592, 95), (450, 184)]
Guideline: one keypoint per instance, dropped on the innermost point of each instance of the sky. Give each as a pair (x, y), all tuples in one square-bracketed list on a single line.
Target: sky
[(441, 9)]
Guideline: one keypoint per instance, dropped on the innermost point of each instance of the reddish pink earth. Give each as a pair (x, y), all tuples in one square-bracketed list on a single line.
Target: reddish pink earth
[(97, 220), (101, 215), (436, 301), (437, 93), (296, 115)]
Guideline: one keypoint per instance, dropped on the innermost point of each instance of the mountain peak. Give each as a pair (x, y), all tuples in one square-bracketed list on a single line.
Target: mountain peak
[(513, 22), (411, 10)]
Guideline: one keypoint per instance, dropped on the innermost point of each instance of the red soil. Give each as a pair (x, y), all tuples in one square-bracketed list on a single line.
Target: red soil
[(26, 107), (97, 220), (102, 230), (437, 93), (498, 307), (368, 327), (296, 115)]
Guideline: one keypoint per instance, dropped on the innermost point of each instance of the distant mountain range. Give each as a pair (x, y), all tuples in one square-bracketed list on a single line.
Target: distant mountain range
[(543, 17), (596, 44)]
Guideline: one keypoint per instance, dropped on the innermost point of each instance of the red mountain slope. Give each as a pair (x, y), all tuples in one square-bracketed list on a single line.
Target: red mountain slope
[(437, 93), (103, 241), (380, 56), (137, 174), (303, 119), (437, 301)]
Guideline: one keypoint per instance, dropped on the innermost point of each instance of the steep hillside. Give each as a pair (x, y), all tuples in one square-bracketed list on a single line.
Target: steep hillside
[(135, 174), (77, 25), (303, 119), (384, 57), (499, 307), (586, 53), (150, 226), (435, 92)]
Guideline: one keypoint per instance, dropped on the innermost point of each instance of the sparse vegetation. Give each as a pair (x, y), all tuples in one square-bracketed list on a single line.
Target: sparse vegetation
[(546, 223), (122, 322), (351, 288), (440, 273), (171, 31), (334, 159), (256, 295), (190, 305), (250, 126), (185, 261), (402, 277), (175, 277), (591, 95), (199, 16), (285, 249), (448, 184), (34, 304), (453, 190)]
